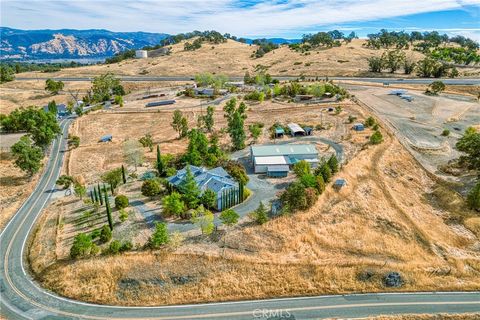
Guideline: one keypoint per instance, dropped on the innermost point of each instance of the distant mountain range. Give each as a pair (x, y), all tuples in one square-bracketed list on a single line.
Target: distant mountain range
[(79, 44), (70, 44)]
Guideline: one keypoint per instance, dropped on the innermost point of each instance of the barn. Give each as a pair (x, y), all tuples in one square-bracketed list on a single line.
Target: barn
[(275, 158)]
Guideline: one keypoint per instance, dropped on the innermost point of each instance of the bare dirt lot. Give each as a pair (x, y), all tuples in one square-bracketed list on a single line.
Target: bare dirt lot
[(420, 123)]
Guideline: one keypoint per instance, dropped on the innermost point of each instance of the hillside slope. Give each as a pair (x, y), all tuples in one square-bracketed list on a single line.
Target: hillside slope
[(233, 58)]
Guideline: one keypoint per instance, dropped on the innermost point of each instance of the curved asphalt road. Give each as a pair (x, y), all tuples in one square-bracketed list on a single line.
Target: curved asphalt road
[(22, 298)]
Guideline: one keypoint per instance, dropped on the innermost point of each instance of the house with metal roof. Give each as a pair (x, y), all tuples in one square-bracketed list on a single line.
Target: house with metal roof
[(266, 157), (217, 179)]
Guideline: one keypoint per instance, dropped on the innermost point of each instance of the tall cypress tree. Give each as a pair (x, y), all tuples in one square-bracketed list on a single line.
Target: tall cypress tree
[(111, 189), (109, 212), (104, 188), (160, 168), (95, 193), (100, 194), (91, 196), (124, 178)]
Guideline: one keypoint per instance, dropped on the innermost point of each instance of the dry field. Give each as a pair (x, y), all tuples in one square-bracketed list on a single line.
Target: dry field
[(233, 58), (441, 316), (133, 121), (391, 217)]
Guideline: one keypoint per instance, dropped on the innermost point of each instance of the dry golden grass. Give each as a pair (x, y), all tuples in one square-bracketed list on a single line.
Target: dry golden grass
[(441, 316), (381, 222)]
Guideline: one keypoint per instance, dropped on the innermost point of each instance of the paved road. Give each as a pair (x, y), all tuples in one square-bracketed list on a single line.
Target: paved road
[(22, 298), (463, 81)]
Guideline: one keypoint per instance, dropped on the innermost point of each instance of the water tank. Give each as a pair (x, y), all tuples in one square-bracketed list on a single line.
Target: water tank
[(141, 54)]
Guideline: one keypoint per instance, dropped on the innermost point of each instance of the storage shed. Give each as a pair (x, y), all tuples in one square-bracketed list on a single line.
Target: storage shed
[(295, 129), (106, 138), (358, 127), (339, 183), (308, 130), (141, 54), (279, 132)]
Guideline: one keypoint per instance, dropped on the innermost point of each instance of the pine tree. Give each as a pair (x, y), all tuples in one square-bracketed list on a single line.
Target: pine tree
[(109, 212), (190, 190), (95, 193), (159, 163), (100, 194), (124, 178), (333, 164)]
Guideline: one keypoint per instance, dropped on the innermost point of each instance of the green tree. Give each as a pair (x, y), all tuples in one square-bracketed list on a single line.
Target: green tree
[(435, 87), (294, 198), (121, 201), (208, 119), (375, 64), (197, 149), (6, 74), (309, 180), (301, 168), (80, 190), (260, 215), (109, 211), (179, 123), (229, 217), (65, 181), (105, 234), (124, 177), (150, 188), (203, 219), (53, 86), (255, 131), (370, 121), (113, 177), (147, 141), (159, 163), (160, 236), (190, 190), (27, 156), (235, 119), (325, 171), (104, 86), (82, 245), (73, 141), (209, 199), (469, 143), (52, 107), (473, 197), (393, 60), (173, 204), (376, 137), (320, 184), (118, 100), (333, 163)]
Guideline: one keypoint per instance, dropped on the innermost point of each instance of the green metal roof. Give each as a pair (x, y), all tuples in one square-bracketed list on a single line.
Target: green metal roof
[(283, 150)]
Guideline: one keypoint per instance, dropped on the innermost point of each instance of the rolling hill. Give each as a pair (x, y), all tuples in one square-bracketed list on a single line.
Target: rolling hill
[(70, 44)]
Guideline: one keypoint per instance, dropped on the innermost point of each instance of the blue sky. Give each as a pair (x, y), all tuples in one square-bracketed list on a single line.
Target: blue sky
[(276, 18)]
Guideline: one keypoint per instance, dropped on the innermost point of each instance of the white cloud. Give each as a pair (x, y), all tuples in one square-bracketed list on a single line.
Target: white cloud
[(264, 18)]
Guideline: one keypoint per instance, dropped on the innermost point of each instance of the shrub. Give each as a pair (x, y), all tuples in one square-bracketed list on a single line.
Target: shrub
[(369, 122), (126, 246), (115, 247), (160, 236), (473, 197), (121, 201), (445, 132), (260, 216), (173, 204), (123, 215), (105, 234), (150, 188), (82, 245), (376, 138)]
